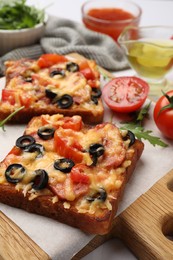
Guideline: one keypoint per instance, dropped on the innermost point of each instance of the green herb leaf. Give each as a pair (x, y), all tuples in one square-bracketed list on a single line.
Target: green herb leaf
[(143, 113), (3, 122), (18, 15), (139, 131)]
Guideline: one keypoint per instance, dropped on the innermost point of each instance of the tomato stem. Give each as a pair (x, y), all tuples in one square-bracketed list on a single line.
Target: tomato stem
[(170, 105)]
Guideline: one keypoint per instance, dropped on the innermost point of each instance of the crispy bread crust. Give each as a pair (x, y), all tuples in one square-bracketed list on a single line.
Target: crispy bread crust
[(25, 115), (88, 223)]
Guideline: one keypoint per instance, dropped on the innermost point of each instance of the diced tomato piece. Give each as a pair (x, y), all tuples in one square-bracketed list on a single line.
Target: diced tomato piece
[(88, 73), (84, 65), (15, 150), (25, 100), (93, 83), (78, 174), (8, 95), (74, 122), (86, 70), (11, 96), (47, 60), (72, 150)]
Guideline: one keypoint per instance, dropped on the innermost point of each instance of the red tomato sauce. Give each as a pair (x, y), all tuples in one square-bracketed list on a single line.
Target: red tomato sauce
[(111, 16)]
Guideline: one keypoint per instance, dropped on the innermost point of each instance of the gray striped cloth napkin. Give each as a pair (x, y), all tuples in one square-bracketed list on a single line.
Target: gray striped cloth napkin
[(64, 36)]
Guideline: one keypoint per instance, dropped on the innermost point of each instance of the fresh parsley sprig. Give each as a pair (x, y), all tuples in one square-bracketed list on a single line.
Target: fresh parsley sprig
[(4, 121), (136, 126)]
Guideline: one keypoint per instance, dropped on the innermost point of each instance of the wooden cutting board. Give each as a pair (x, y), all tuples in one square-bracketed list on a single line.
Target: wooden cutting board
[(146, 227)]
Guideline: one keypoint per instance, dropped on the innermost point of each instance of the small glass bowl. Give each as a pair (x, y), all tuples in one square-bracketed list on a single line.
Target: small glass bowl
[(129, 13), (149, 51)]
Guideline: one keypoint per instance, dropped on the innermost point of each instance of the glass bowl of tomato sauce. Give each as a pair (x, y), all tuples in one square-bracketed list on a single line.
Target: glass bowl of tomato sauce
[(110, 17)]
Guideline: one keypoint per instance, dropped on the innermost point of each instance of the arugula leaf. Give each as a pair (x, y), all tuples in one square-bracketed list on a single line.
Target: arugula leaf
[(136, 127), (140, 133), (3, 122), (143, 113), (18, 15)]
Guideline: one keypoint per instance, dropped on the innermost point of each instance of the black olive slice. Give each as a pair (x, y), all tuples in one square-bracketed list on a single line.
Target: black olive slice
[(64, 165), (96, 150), (96, 92), (40, 180), (14, 173), (28, 79), (36, 148), (57, 72), (50, 94), (46, 133), (65, 101), (100, 195), (130, 136), (94, 159), (25, 141), (72, 67), (95, 100)]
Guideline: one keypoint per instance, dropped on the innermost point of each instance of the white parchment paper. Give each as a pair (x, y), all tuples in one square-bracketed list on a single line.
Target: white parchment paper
[(60, 241)]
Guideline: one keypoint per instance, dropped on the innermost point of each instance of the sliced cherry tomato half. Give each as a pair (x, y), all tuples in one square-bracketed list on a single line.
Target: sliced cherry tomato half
[(47, 60), (125, 94)]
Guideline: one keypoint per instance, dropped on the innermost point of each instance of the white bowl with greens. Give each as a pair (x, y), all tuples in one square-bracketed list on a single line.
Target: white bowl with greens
[(20, 25)]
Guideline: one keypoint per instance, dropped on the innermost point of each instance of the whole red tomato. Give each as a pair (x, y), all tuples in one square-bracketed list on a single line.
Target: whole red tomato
[(163, 114)]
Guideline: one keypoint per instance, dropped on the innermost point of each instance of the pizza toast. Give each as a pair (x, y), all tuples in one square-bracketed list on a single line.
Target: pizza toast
[(72, 172), (52, 84)]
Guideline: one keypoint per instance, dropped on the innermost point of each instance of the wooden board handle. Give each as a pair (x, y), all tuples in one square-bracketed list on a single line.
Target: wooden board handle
[(15, 244), (146, 226)]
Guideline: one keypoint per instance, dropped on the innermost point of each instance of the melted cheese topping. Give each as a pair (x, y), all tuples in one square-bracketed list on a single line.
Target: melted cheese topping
[(73, 84), (107, 174)]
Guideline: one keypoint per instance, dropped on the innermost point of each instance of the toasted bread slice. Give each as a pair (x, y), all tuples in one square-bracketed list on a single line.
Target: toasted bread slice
[(69, 171), (50, 85)]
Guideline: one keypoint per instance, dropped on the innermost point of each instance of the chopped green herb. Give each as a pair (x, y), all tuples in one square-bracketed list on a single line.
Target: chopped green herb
[(105, 75), (18, 15), (136, 127), (3, 122)]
